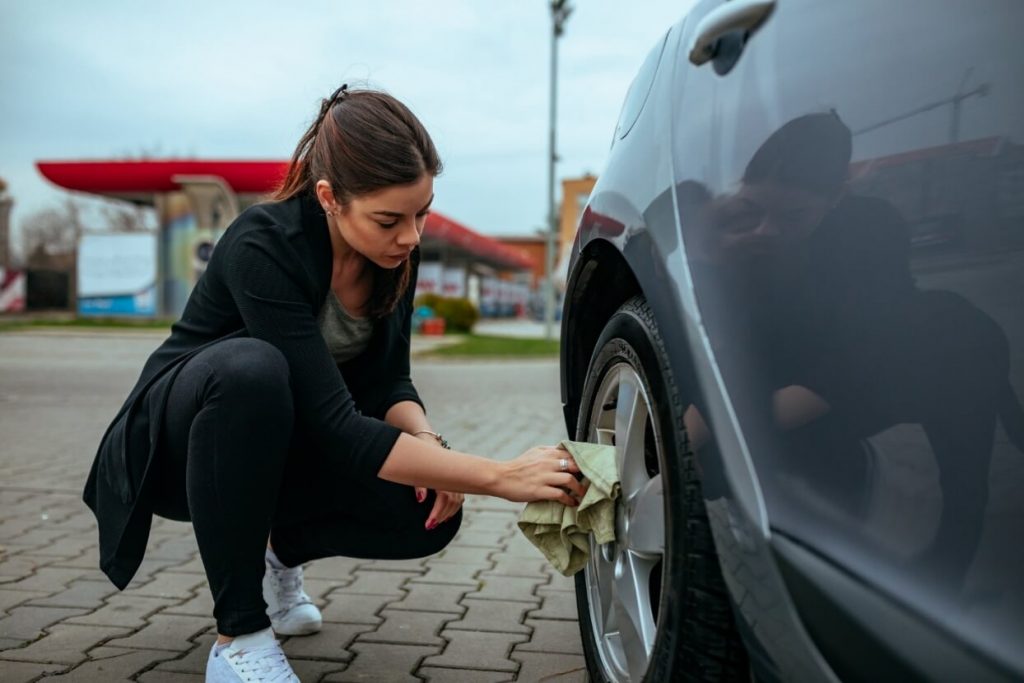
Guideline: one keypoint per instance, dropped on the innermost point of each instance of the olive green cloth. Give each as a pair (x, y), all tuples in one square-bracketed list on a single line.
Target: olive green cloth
[(561, 532)]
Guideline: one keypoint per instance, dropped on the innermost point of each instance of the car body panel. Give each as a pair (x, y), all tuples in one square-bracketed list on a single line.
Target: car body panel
[(808, 59)]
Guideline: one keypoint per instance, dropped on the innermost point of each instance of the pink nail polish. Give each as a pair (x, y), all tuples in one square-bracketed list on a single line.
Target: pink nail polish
[(419, 496), (431, 524)]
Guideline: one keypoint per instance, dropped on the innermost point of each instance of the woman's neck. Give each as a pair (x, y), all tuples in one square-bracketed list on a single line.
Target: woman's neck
[(347, 265)]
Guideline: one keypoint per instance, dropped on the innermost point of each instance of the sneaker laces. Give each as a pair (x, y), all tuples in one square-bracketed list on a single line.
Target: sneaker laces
[(288, 586), (267, 664)]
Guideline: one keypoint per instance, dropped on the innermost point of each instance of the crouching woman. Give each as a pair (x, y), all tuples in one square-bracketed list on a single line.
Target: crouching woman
[(279, 416)]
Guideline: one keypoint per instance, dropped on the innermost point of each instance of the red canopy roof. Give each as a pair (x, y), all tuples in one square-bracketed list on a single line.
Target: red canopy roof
[(446, 230), (140, 179), (148, 177)]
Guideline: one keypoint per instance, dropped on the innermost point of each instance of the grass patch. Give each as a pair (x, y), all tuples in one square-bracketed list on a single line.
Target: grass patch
[(478, 345), (85, 323)]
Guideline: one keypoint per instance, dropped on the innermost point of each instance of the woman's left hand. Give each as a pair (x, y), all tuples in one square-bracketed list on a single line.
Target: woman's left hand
[(445, 505)]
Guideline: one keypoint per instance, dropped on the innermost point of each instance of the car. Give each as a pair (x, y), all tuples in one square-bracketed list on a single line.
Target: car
[(794, 307)]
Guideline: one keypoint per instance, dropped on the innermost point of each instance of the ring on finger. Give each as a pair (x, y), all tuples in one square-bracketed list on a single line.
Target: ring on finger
[(563, 464)]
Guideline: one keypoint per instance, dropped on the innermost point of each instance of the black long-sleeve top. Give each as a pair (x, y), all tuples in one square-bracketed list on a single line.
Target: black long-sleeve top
[(267, 279)]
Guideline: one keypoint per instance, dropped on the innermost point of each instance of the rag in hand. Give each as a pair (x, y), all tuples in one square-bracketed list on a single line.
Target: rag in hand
[(561, 532)]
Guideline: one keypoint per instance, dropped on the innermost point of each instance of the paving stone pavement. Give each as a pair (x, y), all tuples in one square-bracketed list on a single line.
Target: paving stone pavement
[(486, 609)]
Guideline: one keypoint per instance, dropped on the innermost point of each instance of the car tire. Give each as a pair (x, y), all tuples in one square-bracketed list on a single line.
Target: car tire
[(694, 636)]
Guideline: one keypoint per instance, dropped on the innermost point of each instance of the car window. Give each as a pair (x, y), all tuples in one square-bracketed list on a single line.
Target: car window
[(639, 89)]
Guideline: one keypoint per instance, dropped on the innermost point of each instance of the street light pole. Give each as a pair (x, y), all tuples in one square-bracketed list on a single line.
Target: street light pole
[(560, 11)]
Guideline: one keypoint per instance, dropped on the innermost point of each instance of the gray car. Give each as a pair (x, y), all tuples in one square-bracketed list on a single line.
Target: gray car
[(796, 308)]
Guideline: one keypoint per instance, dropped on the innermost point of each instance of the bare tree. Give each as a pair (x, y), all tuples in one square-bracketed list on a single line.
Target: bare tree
[(51, 232), (123, 217)]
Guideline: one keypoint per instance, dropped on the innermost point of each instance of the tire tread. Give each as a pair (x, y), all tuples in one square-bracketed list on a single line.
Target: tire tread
[(709, 647)]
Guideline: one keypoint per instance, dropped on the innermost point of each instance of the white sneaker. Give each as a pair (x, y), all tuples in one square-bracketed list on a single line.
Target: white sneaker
[(252, 657), (291, 611)]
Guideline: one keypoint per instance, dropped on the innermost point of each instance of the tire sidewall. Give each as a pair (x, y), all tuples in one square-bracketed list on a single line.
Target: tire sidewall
[(631, 336)]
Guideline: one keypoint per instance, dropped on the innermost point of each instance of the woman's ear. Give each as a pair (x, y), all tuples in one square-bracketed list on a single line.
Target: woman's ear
[(324, 194)]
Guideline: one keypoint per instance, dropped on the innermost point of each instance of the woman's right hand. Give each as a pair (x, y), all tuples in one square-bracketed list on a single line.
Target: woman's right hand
[(537, 474)]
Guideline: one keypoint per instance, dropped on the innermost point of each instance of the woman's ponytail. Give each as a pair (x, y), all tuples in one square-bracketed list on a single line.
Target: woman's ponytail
[(299, 176)]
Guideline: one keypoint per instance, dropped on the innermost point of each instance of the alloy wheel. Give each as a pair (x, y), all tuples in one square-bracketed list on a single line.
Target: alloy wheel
[(623, 578)]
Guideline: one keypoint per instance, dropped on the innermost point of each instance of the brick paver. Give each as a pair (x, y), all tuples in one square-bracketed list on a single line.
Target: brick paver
[(409, 628), (383, 662), (433, 675), (330, 644), (428, 597), (550, 635), (550, 668), (112, 664), (486, 609), (26, 623), (477, 650), (502, 616)]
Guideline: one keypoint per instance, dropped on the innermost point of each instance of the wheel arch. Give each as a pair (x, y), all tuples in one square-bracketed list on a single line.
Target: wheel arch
[(601, 281)]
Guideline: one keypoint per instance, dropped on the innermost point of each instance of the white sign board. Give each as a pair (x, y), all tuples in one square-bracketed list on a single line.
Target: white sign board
[(112, 264), (429, 279), (454, 282), (117, 274)]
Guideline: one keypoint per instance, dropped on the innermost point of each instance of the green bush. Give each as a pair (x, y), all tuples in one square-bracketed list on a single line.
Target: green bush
[(459, 314), (428, 300)]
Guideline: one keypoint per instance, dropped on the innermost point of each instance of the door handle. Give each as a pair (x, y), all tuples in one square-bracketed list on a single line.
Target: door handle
[(738, 15)]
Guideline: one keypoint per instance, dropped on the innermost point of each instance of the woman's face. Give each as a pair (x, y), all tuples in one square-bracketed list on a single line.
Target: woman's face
[(762, 220), (384, 226)]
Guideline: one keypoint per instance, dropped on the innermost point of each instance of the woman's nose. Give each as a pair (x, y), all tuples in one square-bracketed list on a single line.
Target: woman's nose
[(410, 234)]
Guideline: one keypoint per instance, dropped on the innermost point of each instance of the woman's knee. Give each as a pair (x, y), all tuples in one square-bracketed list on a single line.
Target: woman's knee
[(251, 370)]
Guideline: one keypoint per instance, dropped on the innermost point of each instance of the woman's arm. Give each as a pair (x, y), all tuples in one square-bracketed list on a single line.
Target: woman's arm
[(534, 475), (407, 416), (411, 419)]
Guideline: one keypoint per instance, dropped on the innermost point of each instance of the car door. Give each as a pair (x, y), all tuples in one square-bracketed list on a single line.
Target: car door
[(856, 241)]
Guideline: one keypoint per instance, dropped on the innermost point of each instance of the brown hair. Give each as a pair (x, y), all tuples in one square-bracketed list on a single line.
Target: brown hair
[(811, 152), (362, 141)]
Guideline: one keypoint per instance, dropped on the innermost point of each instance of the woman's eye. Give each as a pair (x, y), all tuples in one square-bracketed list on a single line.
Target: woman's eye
[(387, 225)]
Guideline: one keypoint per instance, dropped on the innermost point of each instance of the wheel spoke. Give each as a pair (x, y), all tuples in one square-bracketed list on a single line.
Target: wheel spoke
[(601, 587), (618, 575), (630, 423), (647, 520), (636, 624)]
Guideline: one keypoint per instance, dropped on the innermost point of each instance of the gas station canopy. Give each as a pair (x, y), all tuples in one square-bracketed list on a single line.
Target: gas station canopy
[(141, 181)]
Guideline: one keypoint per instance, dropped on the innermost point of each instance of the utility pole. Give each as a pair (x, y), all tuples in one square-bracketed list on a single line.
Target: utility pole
[(560, 11), (955, 100)]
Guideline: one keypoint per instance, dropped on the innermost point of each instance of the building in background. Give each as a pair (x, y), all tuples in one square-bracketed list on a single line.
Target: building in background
[(196, 200), (6, 204), (575, 194), (12, 282)]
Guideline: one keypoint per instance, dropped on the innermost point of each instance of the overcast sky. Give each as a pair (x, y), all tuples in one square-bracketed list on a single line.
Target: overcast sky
[(242, 79)]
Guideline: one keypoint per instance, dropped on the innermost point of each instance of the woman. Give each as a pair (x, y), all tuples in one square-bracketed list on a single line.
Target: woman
[(280, 408)]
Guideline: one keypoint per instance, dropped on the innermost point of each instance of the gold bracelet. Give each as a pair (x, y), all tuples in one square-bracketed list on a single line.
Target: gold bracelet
[(440, 439)]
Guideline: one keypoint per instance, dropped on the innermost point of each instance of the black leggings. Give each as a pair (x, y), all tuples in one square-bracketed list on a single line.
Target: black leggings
[(233, 462)]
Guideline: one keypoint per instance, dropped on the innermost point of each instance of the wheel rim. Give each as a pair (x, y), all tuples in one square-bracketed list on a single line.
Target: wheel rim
[(623, 579)]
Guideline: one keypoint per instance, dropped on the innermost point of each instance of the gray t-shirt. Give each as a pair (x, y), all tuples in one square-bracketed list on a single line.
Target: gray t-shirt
[(346, 335)]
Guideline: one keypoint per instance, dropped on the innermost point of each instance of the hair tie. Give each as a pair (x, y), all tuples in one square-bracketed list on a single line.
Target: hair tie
[(339, 93)]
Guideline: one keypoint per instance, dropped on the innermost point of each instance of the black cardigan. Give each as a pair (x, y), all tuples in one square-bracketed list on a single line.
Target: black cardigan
[(267, 279)]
